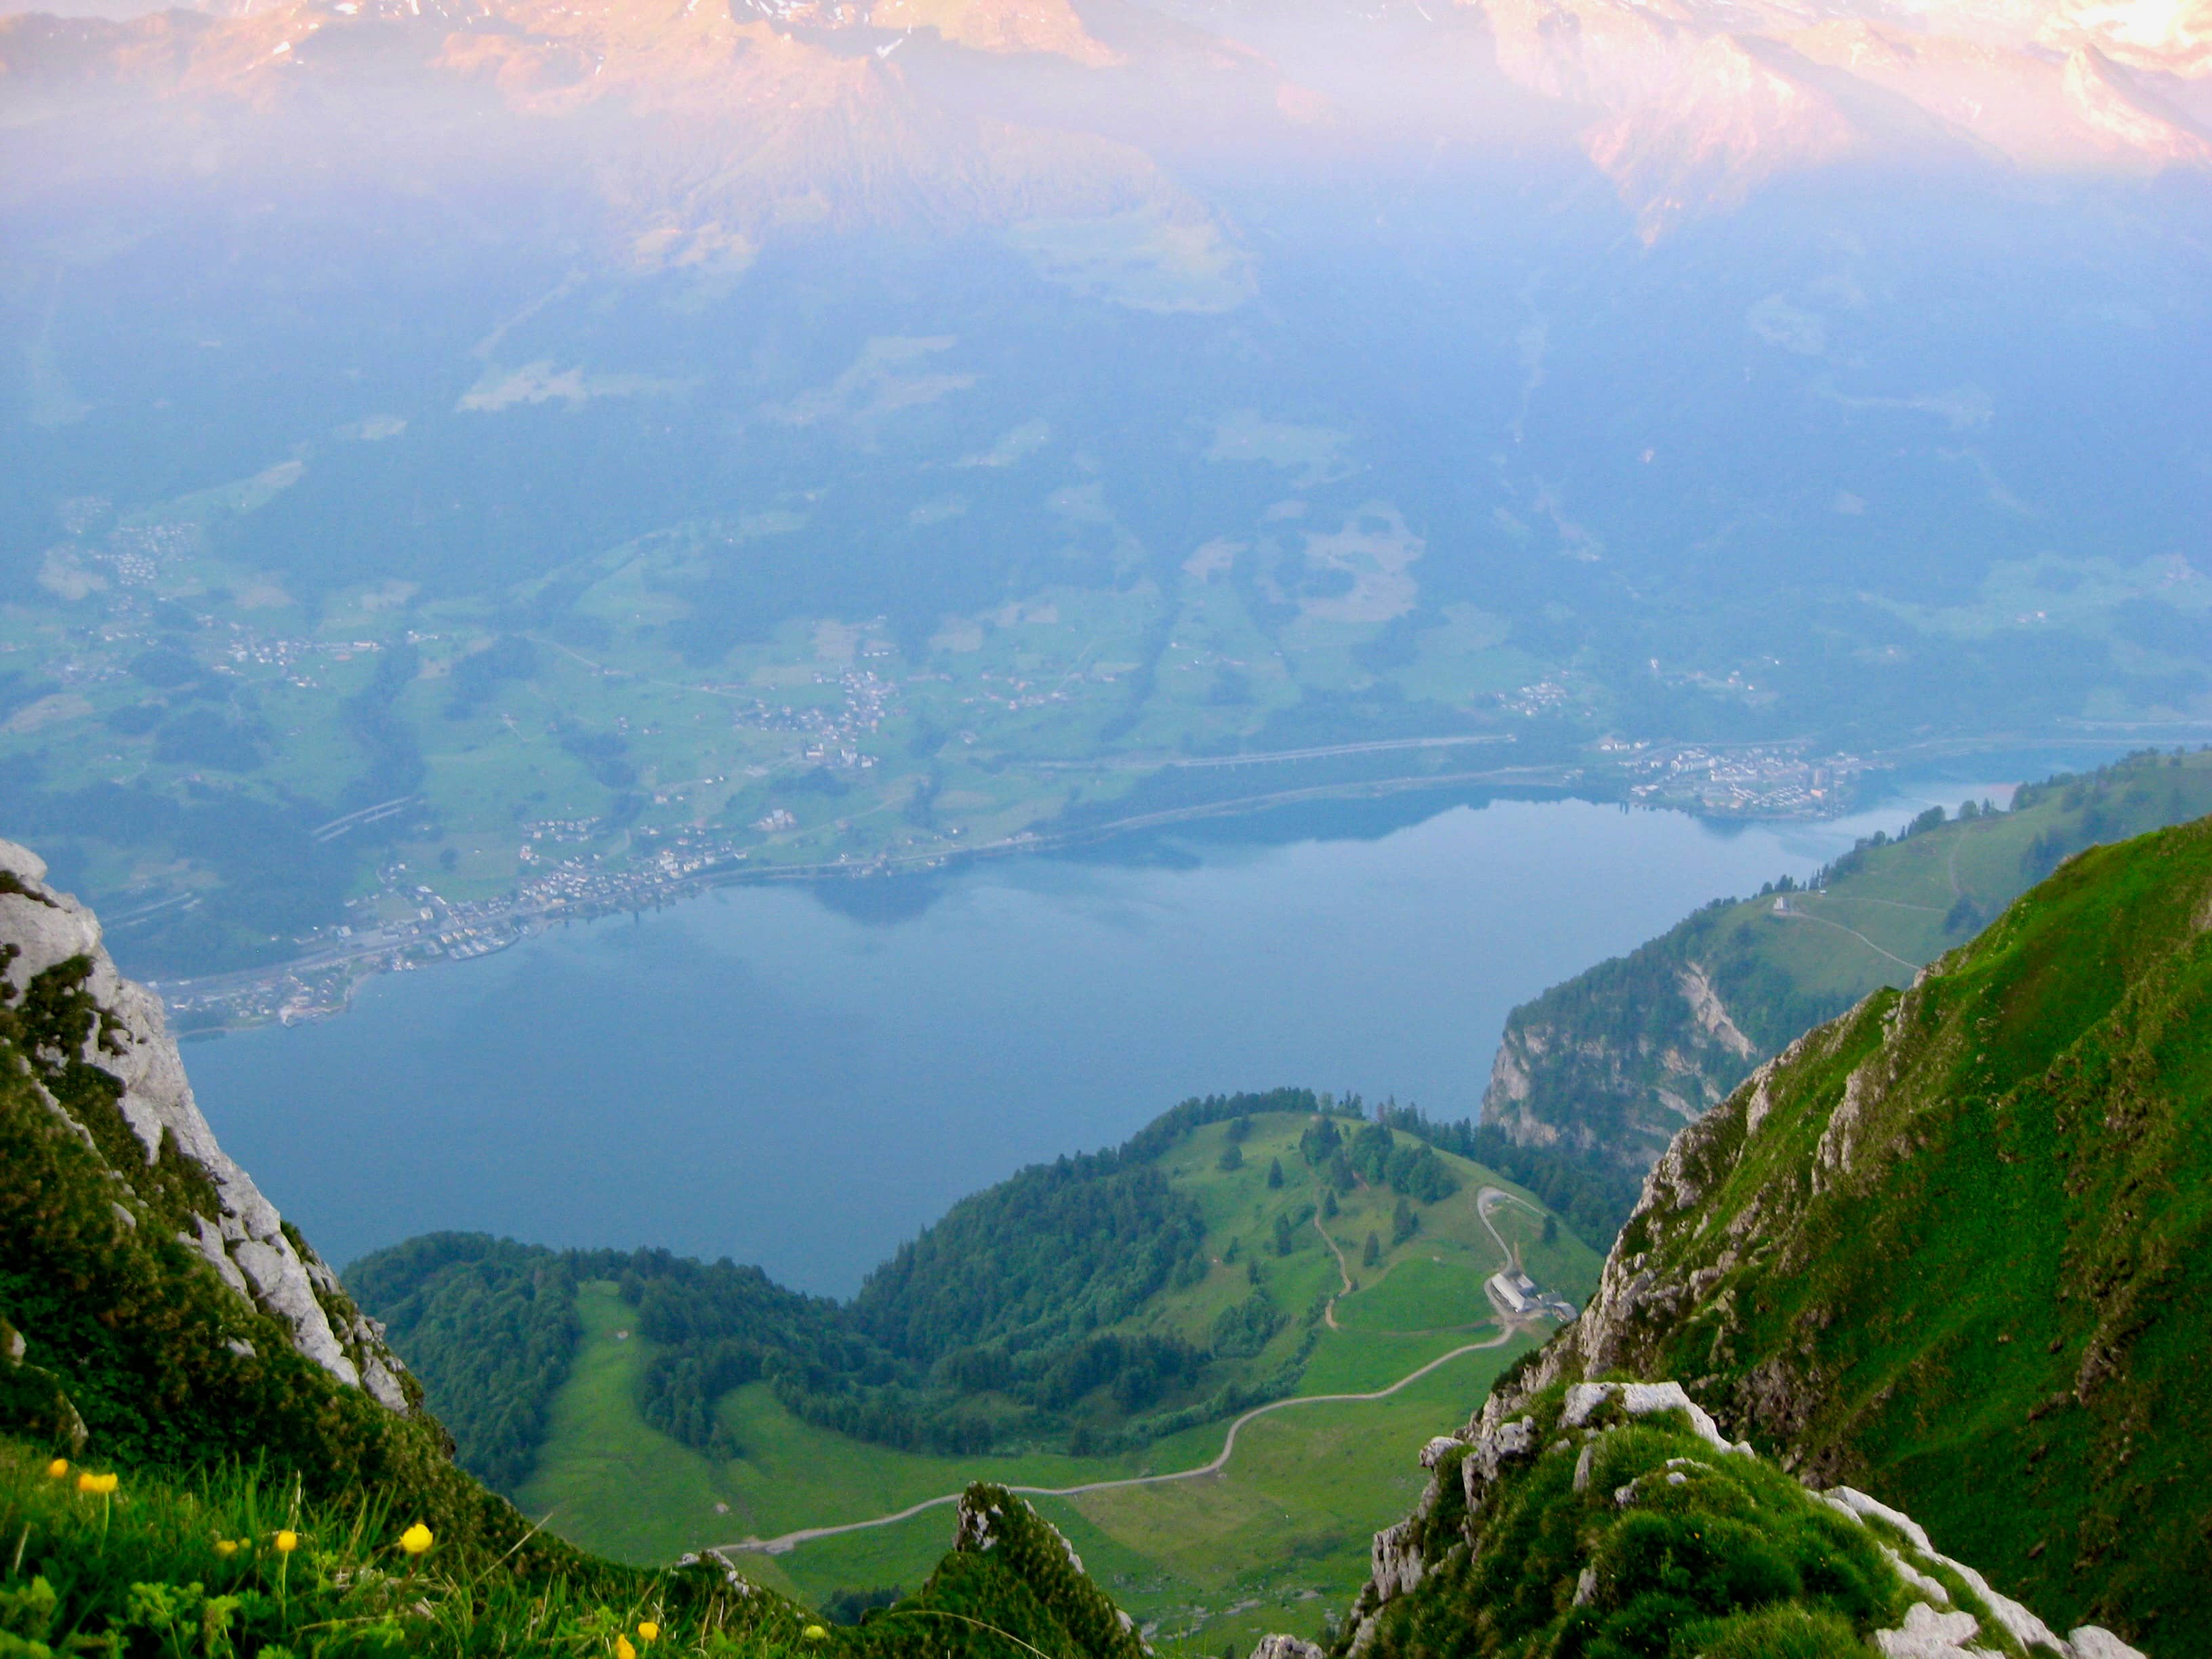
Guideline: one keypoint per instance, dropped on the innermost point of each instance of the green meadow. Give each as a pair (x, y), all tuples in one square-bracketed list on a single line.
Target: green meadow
[(1265, 1542)]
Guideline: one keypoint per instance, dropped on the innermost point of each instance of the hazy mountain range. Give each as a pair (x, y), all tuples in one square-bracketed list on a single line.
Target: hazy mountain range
[(702, 128)]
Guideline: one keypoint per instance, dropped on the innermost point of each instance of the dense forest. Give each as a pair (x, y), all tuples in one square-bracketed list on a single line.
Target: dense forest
[(1058, 1249)]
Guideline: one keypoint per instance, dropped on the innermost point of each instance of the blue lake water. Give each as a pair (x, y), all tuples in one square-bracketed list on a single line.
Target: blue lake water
[(759, 1073)]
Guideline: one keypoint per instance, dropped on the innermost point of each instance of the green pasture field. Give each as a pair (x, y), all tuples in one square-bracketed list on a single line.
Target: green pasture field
[(1278, 1536), (1182, 1554), (1878, 924)]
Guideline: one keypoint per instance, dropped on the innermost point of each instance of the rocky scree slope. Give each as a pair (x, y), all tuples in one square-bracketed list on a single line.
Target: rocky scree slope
[(1612, 1519), (1953, 1248)]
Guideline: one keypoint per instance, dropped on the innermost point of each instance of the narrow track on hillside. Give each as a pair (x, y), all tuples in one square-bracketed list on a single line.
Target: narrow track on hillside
[(1800, 916), (1329, 1311), (1508, 1328)]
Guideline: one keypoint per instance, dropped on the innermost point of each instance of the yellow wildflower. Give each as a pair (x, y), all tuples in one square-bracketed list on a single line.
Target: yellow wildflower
[(98, 1485), (57, 1468), (225, 1548), (623, 1648), (416, 1540), (648, 1631), (286, 1541), (814, 1632)]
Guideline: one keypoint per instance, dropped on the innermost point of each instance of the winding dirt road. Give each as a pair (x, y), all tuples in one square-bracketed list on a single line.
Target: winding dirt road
[(1508, 1325)]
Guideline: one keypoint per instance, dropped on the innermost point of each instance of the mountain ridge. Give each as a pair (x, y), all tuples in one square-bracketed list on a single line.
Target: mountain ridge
[(1607, 1066), (1947, 1246), (739, 126)]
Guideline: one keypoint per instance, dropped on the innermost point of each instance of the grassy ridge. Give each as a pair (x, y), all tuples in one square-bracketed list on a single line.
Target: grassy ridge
[(1614, 1061), (1976, 1274), (1174, 1282)]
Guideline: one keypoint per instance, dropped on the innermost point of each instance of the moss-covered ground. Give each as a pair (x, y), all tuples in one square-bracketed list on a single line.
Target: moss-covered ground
[(1636, 1540)]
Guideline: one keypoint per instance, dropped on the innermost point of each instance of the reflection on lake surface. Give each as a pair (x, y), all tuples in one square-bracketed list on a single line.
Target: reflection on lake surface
[(761, 1074)]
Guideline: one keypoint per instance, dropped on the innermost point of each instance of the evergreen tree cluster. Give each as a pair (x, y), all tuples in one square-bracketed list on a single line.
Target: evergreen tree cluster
[(1375, 1155), (1057, 1251), (1242, 1329), (495, 1322)]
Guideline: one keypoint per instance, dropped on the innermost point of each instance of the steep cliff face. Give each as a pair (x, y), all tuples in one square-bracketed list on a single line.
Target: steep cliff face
[(1612, 1064), (1954, 1248), (99, 1057), (155, 1309)]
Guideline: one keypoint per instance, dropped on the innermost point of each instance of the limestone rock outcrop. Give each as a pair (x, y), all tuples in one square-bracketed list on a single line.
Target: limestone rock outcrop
[(1949, 1611), (170, 1171)]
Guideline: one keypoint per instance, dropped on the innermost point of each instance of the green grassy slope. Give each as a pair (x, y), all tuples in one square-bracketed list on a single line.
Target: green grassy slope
[(1955, 1246), (1122, 1298), (234, 1564), (1270, 1543), (1618, 1059), (1281, 1533)]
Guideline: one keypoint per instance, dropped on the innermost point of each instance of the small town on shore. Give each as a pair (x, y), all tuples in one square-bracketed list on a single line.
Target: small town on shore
[(575, 869)]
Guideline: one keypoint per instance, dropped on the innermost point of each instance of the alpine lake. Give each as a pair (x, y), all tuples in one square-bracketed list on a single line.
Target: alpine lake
[(803, 1076)]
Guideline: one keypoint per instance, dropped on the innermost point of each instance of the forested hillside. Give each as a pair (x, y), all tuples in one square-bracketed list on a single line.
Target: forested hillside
[(1090, 1304), (1607, 1067)]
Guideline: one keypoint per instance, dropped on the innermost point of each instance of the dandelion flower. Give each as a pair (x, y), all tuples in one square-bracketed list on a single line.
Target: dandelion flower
[(225, 1548), (623, 1648), (416, 1540), (99, 1485), (814, 1632), (57, 1468), (647, 1632), (286, 1541)]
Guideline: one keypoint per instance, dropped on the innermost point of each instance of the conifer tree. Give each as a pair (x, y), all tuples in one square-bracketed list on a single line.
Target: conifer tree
[(1404, 1224)]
